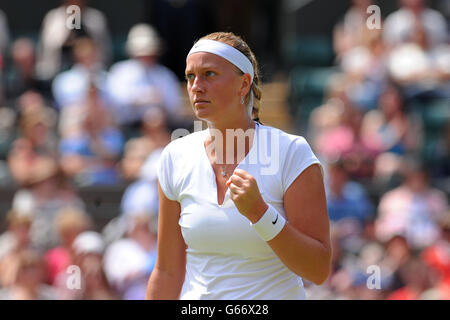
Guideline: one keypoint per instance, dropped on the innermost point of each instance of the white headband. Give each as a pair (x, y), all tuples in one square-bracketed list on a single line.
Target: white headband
[(225, 51), (228, 53)]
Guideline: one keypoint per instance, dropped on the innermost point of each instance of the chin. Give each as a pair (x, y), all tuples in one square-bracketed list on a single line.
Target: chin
[(203, 114)]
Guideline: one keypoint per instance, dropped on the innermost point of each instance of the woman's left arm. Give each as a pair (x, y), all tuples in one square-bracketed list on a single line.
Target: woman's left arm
[(303, 244)]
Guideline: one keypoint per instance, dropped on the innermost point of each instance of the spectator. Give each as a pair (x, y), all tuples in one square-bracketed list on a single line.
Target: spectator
[(137, 84), (136, 152), (88, 249), (155, 128), (91, 144), (339, 121), (23, 163), (417, 278), (437, 257), (412, 209), (29, 279), (56, 39), (400, 26), (13, 241), (20, 77), (156, 131), (397, 253), (130, 260), (390, 128), (32, 102), (47, 193), (69, 223), (126, 265), (346, 199), (351, 31), (419, 56), (36, 138), (86, 254), (364, 68), (141, 197), (328, 119), (368, 286), (416, 64), (72, 86), (37, 123), (329, 115), (142, 153)]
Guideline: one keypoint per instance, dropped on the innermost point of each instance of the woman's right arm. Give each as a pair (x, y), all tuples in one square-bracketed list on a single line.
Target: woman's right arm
[(167, 277)]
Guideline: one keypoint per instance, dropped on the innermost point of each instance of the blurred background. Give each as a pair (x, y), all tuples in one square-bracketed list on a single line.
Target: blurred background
[(85, 113)]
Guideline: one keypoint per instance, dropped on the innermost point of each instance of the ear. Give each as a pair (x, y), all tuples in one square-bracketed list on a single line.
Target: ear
[(245, 85)]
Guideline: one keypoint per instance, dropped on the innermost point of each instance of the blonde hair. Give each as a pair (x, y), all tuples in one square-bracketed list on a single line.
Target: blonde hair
[(238, 43), (16, 218), (70, 218)]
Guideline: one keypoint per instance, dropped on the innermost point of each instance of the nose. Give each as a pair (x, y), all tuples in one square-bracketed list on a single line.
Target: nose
[(197, 84)]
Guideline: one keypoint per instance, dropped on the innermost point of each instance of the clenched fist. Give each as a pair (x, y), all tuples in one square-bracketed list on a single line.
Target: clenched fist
[(245, 194)]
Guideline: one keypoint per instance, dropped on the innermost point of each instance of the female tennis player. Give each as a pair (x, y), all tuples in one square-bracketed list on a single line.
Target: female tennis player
[(242, 212)]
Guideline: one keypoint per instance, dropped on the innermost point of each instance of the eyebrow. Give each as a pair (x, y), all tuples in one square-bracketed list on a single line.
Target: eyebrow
[(204, 67)]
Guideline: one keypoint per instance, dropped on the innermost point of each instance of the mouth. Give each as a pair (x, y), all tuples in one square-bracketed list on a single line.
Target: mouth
[(200, 102)]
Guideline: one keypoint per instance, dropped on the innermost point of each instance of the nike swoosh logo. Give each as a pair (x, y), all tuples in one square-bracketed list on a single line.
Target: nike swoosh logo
[(273, 222)]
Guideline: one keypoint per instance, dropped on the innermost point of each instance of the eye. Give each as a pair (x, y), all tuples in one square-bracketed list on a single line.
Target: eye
[(210, 73), (189, 76)]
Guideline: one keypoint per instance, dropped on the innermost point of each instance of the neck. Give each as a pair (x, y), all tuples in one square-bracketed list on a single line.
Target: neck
[(243, 124), (222, 149), (416, 10)]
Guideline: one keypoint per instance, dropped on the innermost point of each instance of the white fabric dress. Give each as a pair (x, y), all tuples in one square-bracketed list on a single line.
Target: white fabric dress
[(226, 259)]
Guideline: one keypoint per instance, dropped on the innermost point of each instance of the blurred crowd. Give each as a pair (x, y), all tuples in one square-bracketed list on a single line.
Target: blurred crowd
[(384, 133), (71, 116)]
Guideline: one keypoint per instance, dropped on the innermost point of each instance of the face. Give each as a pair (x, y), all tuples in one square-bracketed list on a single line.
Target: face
[(362, 3), (338, 178), (417, 181), (412, 3), (22, 232), (215, 87), (30, 274), (390, 101)]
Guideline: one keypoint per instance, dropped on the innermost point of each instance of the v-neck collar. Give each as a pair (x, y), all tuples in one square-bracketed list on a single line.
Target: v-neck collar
[(227, 202)]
